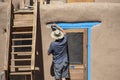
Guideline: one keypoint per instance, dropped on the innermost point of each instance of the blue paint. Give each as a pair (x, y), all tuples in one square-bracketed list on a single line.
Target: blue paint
[(79, 25), (72, 67)]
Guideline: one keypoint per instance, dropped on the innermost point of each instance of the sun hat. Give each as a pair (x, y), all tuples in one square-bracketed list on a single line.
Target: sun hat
[(57, 34)]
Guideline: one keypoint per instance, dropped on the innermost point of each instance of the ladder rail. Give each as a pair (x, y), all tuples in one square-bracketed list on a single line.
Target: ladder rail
[(8, 42), (22, 4), (34, 35), (9, 14), (9, 52)]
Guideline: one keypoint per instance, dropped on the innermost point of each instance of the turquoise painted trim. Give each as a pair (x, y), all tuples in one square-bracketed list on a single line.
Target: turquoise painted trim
[(78, 25), (89, 54), (87, 25)]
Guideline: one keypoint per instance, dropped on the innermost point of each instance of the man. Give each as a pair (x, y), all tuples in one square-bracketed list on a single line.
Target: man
[(58, 49)]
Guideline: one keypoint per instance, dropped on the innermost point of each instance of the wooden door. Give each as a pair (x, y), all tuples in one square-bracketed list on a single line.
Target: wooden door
[(77, 51)]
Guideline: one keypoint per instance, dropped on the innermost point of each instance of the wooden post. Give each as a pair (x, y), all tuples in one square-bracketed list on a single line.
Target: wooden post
[(34, 35), (8, 35), (7, 51), (22, 4)]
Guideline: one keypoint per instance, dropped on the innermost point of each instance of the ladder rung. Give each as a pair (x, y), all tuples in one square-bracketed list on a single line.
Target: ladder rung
[(37, 68), (23, 22), (22, 46), (21, 53), (23, 11), (24, 54), (21, 73), (25, 68), (20, 59), (23, 26), (22, 32), (21, 39), (20, 66)]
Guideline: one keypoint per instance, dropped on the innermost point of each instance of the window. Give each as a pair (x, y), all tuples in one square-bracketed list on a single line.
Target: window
[(75, 48)]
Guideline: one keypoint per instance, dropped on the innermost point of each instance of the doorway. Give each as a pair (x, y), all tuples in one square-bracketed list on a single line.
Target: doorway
[(77, 51)]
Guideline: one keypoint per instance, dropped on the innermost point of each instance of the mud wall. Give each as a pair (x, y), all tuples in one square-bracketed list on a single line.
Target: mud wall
[(105, 46), (111, 1), (3, 22)]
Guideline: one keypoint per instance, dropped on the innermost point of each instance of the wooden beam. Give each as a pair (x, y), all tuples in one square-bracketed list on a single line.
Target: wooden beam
[(34, 35), (9, 13), (22, 4), (6, 58)]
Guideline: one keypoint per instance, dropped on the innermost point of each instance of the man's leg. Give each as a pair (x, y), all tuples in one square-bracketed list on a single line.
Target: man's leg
[(65, 71), (57, 71)]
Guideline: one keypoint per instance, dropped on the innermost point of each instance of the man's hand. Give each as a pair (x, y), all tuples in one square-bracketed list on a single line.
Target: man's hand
[(57, 27), (54, 25)]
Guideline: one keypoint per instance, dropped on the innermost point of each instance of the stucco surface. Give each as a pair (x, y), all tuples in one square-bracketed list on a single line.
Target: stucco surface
[(105, 46), (111, 1), (3, 22)]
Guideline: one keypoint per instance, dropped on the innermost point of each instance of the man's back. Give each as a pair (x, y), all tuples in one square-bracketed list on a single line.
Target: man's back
[(58, 49)]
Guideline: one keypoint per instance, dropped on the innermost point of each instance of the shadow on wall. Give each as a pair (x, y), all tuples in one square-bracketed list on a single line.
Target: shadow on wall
[(39, 57), (2, 0)]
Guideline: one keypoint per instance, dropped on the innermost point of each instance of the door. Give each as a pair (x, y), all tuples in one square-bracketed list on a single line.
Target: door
[(77, 51)]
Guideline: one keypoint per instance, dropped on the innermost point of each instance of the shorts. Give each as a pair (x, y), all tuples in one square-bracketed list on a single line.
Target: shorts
[(61, 70)]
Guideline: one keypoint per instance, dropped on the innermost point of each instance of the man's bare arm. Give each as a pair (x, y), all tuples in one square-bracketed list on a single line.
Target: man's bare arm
[(59, 28)]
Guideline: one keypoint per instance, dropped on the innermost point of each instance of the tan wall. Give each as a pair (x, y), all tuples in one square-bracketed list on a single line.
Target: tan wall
[(112, 1), (105, 46), (2, 0), (3, 22)]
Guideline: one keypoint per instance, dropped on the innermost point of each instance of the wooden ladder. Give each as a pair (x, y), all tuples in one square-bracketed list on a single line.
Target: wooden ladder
[(21, 41)]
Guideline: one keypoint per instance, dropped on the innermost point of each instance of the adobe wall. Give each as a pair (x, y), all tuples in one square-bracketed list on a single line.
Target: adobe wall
[(111, 1), (116, 1), (3, 22), (105, 46)]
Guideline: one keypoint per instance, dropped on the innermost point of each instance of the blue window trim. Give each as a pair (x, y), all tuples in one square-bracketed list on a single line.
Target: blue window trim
[(79, 25)]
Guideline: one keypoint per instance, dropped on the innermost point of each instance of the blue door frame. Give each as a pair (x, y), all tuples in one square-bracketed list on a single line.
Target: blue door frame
[(80, 25)]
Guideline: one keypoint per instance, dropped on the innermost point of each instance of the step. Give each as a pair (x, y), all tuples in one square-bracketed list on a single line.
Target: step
[(21, 59), (22, 39), (20, 66), (25, 68), (21, 26), (23, 16), (23, 11), (22, 53), (21, 46), (30, 32), (21, 73), (14, 68), (23, 22)]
